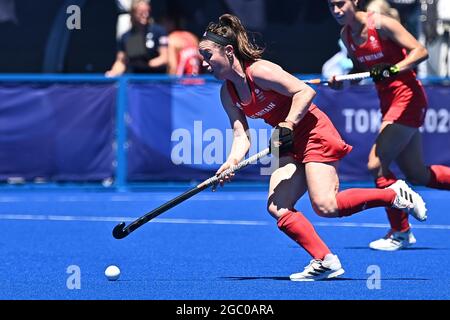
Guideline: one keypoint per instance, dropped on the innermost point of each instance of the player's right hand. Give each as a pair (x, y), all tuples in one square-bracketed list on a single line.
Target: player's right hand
[(223, 167), (335, 85), (383, 71)]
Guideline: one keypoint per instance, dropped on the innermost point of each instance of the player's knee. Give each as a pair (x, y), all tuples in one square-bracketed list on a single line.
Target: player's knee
[(325, 207)]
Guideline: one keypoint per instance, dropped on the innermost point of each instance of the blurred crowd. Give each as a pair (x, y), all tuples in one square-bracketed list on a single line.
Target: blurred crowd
[(147, 47), (170, 46)]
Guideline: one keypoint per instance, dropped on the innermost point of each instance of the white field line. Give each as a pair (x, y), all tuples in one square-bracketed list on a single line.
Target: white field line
[(123, 198), (203, 221)]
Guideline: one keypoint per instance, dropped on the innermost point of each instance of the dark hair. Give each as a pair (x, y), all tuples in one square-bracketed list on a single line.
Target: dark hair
[(230, 27)]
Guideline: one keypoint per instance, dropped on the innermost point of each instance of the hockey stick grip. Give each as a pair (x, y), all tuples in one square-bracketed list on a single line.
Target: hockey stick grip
[(344, 77), (353, 76)]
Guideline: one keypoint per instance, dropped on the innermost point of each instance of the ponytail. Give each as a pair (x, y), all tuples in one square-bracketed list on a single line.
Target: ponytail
[(231, 28)]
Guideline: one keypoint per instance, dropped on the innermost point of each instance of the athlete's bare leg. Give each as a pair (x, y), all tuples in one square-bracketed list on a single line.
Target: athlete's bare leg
[(391, 141), (287, 185), (323, 185)]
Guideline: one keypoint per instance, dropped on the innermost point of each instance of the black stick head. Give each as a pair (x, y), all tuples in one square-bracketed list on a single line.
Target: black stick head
[(119, 231)]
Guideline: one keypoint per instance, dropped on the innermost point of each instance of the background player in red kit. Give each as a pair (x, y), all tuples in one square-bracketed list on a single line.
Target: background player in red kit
[(308, 145), (183, 53), (382, 45)]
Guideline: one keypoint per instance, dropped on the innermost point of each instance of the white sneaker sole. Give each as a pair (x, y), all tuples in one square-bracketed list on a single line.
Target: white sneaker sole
[(391, 248), (331, 275)]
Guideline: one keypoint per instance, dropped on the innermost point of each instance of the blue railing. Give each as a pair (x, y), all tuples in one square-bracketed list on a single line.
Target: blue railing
[(120, 180), (33, 77), (121, 108)]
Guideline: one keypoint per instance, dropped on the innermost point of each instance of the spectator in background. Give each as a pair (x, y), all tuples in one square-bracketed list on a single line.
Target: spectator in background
[(409, 12), (383, 7), (143, 49), (124, 17), (435, 35), (183, 55)]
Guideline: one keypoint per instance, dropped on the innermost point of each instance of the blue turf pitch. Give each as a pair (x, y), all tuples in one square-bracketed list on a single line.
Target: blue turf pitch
[(218, 246)]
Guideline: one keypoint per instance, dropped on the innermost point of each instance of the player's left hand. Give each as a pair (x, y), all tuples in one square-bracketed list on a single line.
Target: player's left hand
[(383, 71), (334, 84)]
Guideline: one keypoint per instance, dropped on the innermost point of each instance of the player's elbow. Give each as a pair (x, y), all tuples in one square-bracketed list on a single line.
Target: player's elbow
[(422, 54), (311, 92), (307, 93)]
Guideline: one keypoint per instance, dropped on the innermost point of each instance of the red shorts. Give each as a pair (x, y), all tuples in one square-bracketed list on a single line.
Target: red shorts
[(317, 140), (403, 102)]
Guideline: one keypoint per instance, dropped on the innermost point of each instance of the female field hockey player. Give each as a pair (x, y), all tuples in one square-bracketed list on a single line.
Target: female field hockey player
[(382, 45), (308, 144)]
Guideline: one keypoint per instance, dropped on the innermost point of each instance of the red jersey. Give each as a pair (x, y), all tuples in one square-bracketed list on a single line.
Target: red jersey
[(188, 59), (270, 106), (188, 62), (402, 97), (315, 137)]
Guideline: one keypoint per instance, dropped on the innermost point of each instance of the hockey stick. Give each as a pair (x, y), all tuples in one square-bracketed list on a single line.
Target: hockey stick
[(352, 76), (120, 231)]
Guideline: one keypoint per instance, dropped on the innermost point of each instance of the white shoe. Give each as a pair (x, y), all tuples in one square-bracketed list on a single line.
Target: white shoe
[(394, 240), (329, 267), (408, 200)]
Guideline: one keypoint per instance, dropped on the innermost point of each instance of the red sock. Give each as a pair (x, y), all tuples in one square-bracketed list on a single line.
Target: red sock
[(385, 181), (397, 218), (351, 201), (299, 229), (439, 177)]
